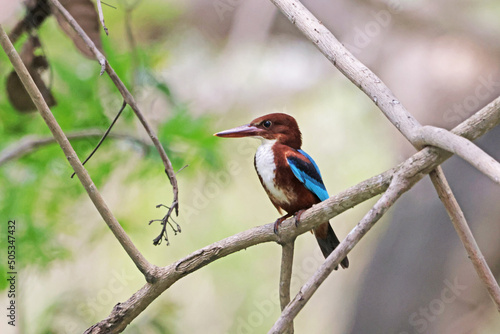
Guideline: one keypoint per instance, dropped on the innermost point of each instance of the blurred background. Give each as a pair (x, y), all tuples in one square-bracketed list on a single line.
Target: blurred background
[(199, 67)]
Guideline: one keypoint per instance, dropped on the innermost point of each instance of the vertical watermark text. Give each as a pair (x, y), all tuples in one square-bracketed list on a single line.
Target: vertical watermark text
[(11, 272)]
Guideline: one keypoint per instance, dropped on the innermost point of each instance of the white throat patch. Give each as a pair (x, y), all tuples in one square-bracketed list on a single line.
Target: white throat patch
[(264, 162)]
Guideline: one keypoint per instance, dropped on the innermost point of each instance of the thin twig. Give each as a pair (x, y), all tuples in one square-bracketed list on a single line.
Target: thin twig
[(124, 104), (101, 16), (105, 66), (142, 264), (164, 222), (464, 148), (460, 223), (30, 143), (398, 186), (286, 278)]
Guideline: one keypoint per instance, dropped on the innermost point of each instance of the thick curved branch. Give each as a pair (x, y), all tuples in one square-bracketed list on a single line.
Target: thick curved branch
[(398, 186), (460, 223), (418, 165), (142, 264), (464, 148), (105, 66), (29, 144)]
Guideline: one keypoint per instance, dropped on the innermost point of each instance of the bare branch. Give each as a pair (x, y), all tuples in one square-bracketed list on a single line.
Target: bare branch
[(464, 148), (416, 166), (142, 264), (105, 66), (286, 278), (28, 144), (460, 223)]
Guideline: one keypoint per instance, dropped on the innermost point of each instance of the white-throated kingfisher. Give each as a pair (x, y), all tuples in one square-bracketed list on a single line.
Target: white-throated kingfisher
[(291, 178)]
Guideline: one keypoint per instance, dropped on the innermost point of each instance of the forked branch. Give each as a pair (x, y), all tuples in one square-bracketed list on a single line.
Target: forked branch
[(383, 97), (418, 165)]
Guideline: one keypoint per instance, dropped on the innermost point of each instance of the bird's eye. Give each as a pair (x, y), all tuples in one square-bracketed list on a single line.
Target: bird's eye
[(266, 124)]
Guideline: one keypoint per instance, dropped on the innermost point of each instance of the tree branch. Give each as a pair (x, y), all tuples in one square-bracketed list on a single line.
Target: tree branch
[(398, 186), (348, 65), (418, 165), (464, 148), (142, 264), (105, 66), (460, 223), (28, 144)]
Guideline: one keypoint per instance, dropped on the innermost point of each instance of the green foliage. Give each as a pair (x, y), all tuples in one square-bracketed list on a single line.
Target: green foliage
[(187, 134), (36, 189)]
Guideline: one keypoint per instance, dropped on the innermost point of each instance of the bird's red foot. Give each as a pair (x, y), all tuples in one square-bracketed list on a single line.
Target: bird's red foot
[(297, 217), (278, 222)]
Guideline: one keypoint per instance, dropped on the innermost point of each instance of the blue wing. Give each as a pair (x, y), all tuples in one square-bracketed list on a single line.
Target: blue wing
[(308, 173)]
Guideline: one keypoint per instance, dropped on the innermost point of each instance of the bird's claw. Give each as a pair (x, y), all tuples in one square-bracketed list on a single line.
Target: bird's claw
[(297, 217), (277, 223)]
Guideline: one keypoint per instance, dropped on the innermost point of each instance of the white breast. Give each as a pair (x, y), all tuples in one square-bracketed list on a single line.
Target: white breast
[(264, 162)]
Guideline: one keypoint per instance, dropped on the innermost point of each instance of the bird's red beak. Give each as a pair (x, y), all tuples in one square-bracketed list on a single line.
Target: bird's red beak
[(241, 131)]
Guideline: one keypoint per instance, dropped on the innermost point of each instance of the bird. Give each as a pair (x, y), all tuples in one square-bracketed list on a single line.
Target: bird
[(290, 177)]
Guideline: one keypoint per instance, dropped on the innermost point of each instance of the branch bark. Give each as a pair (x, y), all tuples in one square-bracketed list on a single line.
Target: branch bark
[(142, 264)]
